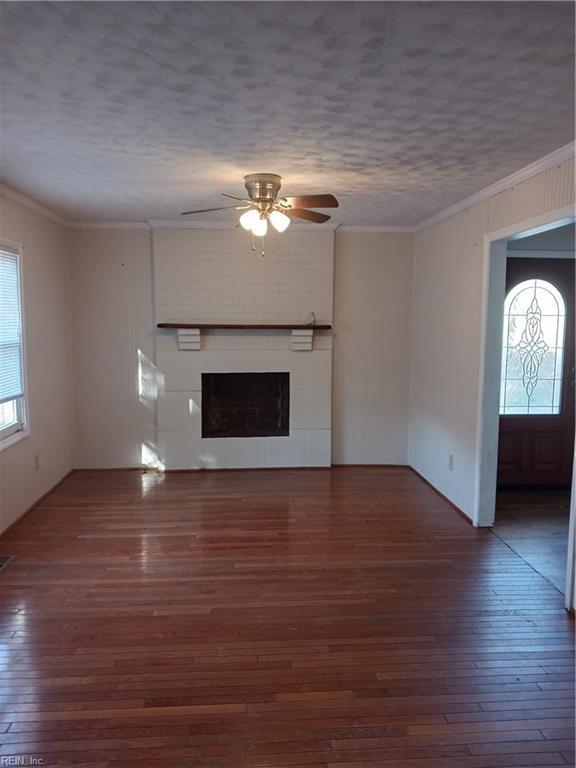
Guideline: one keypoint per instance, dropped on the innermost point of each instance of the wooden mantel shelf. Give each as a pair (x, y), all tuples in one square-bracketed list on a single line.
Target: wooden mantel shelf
[(246, 326), (189, 335)]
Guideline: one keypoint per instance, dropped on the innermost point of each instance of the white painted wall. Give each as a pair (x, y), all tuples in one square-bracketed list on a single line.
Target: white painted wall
[(47, 345), (113, 316), (447, 329), (112, 322), (372, 318)]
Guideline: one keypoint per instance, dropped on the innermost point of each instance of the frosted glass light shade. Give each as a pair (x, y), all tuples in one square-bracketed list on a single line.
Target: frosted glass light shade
[(249, 219), (260, 228), (279, 221)]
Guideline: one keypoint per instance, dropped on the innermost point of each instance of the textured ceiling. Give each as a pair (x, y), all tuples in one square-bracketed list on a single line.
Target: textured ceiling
[(140, 110)]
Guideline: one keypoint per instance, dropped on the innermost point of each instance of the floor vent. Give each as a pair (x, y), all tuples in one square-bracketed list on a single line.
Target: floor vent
[(4, 560)]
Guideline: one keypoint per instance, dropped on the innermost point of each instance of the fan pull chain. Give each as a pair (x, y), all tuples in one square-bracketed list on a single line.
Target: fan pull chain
[(254, 244)]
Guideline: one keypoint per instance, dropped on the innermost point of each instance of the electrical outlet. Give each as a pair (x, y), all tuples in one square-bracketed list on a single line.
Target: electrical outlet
[(451, 462), (36, 461)]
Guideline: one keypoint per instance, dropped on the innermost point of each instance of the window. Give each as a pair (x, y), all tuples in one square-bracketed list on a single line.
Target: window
[(532, 349), (12, 403)]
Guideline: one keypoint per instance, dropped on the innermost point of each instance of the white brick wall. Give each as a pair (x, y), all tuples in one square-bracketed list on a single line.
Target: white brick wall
[(213, 276), (180, 442)]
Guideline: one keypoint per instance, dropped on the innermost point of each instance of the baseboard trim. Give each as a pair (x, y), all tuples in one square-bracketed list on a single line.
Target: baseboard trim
[(35, 504), (247, 469), (114, 469), (370, 466), (439, 493), (196, 469)]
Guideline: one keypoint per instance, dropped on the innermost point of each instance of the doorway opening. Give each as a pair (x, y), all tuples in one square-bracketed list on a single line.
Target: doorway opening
[(526, 446), (536, 425)]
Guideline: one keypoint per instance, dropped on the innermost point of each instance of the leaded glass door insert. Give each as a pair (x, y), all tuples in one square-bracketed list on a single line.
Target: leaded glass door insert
[(532, 349)]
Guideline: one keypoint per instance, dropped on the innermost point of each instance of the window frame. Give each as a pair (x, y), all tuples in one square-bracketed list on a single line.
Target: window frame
[(13, 433)]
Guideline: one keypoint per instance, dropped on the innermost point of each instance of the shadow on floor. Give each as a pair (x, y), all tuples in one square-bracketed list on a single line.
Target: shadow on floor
[(535, 525)]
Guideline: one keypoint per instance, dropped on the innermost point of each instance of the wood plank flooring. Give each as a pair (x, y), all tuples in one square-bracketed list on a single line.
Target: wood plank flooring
[(535, 525), (307, 619)]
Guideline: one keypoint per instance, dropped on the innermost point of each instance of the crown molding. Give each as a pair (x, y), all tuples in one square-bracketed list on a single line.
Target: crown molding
[(227, 225), (108, 225), (548, 161), (187, 224), (27, 202), (381, 230)]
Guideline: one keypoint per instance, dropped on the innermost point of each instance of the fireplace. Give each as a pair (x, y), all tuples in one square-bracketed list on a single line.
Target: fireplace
[(245, 404)]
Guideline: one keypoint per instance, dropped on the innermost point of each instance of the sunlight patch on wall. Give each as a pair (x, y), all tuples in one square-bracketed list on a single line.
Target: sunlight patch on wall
[(149, 457), (150, 380)]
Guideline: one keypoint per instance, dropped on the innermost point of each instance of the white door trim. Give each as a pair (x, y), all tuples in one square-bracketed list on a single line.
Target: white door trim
[(570, 591)]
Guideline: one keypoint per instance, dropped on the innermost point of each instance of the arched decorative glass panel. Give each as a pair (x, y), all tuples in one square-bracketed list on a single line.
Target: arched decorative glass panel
[(532, 349)]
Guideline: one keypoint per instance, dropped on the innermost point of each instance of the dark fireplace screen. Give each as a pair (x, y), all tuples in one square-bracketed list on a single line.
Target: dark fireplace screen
[(245, 404)]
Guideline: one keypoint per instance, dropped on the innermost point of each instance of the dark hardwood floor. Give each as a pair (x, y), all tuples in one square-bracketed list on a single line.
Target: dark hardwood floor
[(320, 619), (535, 525)]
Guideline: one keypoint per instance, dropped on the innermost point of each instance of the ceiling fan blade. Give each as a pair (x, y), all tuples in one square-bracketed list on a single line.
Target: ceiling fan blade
[(208, 210), (302, 213), (233, 197), (311, 201)]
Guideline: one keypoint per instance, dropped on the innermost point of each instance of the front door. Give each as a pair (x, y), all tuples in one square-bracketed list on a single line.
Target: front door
[(536, 437)]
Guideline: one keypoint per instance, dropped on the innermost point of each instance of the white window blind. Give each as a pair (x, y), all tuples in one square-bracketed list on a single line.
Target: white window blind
[(11, 384)]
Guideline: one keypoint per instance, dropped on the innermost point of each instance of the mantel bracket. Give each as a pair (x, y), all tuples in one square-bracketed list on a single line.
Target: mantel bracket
[(189, 338)]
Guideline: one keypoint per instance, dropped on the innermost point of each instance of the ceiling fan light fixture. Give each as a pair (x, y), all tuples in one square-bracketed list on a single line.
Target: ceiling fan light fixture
[(249, 219), (279, 221), (263, 206), (260, 228)]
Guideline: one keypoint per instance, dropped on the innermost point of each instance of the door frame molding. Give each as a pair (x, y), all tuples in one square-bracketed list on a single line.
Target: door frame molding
[(570, 590), (493, 294)]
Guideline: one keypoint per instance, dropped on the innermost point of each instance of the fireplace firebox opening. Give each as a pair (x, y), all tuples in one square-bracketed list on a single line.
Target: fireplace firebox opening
[(245, 404)]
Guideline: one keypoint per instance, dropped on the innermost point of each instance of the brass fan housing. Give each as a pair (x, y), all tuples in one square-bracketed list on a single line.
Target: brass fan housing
[(263, 187)]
